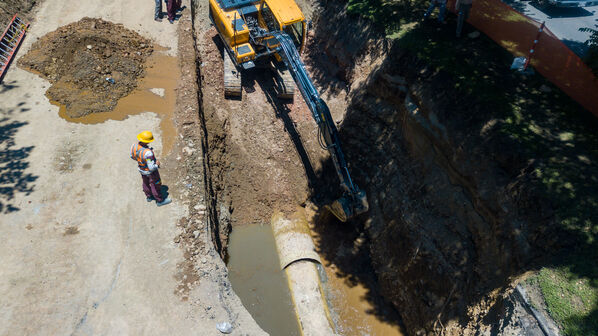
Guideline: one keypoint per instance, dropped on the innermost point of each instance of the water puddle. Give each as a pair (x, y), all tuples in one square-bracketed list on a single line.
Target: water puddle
[(254, 272), (356, 305), (162, 72), (352, 310)]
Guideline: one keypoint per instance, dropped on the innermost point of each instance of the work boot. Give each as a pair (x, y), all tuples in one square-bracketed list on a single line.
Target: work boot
[(167, 200), (150, 198)]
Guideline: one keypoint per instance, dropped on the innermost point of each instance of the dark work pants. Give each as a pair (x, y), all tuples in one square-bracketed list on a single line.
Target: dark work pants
[(158, 10), (171, 7), (152, 186), (462, 15)]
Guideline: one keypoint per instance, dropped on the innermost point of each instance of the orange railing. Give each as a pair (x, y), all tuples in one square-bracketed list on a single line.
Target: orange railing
[(553, 59)]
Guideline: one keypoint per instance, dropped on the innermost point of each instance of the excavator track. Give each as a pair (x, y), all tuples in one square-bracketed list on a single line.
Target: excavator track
[(232, 77), (286, 83)]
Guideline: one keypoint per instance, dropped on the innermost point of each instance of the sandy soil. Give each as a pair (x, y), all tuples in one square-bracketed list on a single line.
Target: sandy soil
[(84, 253)]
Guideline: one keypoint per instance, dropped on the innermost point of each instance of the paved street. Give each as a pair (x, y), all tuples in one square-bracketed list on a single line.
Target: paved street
[(563, 22)]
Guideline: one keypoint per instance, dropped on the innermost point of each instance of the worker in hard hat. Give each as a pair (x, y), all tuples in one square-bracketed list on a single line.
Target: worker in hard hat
[(148, 167)]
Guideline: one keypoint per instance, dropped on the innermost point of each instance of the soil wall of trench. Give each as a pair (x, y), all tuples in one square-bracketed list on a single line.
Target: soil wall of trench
[(456, 215), (447, 222), (454, 218)]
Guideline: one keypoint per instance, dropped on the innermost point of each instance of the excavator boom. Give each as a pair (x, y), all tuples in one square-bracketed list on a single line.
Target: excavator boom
[(354, 200), (254, 31)]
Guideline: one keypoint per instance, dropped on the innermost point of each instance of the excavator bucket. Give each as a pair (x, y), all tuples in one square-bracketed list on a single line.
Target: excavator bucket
[(349, 206)]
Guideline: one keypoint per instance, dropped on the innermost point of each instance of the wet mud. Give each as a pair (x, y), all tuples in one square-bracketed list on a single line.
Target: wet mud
[(351, 284), (162, 73)]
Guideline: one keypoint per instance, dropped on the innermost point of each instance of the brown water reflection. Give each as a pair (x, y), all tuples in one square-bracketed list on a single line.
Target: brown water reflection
[(162, 72)]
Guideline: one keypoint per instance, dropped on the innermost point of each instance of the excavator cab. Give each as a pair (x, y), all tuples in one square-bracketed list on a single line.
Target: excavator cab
[(285, 16), (297, 32), (244, 27)]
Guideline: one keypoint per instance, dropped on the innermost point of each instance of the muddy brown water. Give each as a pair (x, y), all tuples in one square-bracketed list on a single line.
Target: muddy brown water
[(254, 272), (351, 309), (162, 72), (356, 306)]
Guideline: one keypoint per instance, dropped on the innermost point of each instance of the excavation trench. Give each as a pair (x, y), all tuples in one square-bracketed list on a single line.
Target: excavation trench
[(261, 157)]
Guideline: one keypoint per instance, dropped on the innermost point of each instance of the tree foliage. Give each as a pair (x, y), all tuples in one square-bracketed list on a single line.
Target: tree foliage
[(387, 14), (592, 55)]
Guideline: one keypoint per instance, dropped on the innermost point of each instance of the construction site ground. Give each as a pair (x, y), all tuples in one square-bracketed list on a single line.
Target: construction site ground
[(83, 251), (87, 253), (455, 220)]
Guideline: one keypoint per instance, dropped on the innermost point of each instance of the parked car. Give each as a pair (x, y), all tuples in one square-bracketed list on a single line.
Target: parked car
[(569, 3)]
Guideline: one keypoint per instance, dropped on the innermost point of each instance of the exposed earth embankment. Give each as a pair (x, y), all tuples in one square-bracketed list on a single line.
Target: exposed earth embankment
[(466, 196)]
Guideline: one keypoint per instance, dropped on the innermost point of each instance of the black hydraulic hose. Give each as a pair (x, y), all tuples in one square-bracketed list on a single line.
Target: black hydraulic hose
[(318, 108)]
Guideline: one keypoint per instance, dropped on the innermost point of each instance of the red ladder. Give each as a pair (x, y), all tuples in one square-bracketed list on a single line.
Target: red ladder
[(10, 41)]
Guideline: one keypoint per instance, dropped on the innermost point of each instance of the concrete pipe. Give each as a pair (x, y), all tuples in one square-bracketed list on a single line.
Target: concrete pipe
[(299, 259)]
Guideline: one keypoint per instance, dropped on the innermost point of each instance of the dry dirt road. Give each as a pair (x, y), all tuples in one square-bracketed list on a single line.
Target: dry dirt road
[(82, 251)]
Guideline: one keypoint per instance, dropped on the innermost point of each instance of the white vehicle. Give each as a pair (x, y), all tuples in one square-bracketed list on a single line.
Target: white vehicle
[(571, 3)]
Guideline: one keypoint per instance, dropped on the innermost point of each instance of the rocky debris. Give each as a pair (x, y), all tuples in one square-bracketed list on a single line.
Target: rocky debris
[(158, 91), (91, 64), (194, 233), (224, 327), (544, 88), (474, 34)]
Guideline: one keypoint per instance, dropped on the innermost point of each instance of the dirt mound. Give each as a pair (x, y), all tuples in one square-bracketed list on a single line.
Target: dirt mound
[(91, 64)]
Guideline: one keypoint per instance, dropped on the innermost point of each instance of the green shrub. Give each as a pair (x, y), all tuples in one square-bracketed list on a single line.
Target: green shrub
[(387, 14), (591, 58)]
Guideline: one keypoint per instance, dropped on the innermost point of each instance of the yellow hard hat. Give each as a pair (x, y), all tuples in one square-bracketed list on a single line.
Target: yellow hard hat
[(145, 136)]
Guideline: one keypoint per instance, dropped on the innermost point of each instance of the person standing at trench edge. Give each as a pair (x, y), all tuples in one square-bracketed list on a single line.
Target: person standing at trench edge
[(148, 167), (441, 4), (463, 7), (172, 7), (158, 11)]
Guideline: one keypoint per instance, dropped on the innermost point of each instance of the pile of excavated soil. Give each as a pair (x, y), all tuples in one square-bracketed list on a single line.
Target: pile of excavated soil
[(91, 64)]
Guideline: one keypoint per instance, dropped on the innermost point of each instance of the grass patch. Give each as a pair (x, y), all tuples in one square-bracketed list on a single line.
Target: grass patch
[(570, 299)]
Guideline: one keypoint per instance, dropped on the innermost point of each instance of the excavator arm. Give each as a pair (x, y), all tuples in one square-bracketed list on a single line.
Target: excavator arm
[(354, 201)]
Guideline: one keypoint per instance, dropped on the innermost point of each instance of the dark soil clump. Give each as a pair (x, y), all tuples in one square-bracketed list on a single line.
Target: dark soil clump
[(91, 64)]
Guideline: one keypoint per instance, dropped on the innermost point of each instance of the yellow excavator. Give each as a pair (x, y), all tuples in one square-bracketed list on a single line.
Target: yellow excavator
[(272, 33)]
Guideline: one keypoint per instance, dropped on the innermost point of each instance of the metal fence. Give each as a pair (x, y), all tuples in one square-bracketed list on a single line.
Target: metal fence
[(551, 57)]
